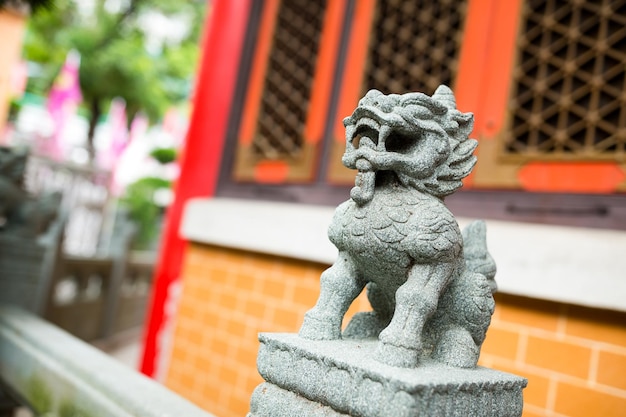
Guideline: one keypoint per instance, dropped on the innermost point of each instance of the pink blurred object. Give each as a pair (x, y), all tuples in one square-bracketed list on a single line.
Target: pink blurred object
[(63, 99), (19, 78), (175, 124), (126, 156), (138, 126), (117, 132)]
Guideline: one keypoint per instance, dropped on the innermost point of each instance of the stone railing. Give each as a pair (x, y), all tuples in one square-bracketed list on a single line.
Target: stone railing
[(85, 195), (28, 265), (90, 297), (95, 298), (56, 374), (94, 292)]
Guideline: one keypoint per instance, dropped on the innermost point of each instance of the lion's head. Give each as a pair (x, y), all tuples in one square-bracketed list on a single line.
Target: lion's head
[(423, 140)]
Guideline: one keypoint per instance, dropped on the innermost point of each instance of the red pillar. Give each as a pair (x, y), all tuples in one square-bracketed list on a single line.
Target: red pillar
[(222, 45)]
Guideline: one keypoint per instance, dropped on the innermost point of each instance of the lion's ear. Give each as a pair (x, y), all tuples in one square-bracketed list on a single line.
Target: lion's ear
[(466, 124), (444, 95)]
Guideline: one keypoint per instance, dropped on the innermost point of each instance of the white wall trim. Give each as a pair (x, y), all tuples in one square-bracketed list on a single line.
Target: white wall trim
[(566, 264)]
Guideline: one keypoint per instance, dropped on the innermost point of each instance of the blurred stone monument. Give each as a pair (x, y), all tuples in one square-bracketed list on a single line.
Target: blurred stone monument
[(30, 235), (430, 286)]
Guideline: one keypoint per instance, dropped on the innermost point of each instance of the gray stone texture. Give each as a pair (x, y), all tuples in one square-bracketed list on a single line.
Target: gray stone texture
[(340, 378)]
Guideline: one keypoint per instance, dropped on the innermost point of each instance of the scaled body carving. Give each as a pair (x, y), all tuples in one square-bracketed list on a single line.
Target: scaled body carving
[(431, 298)]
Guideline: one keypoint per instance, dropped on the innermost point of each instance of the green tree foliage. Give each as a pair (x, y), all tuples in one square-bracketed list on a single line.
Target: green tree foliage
[(164, 155), (142, 209), (115, 61)]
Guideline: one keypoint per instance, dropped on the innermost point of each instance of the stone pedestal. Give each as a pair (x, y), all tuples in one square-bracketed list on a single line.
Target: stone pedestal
[(341, 378)]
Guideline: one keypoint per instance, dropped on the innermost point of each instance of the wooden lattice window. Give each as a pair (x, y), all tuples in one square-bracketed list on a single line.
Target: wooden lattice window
[(569, 87), (289, 79), (289, 82), (414, 45), (405, 46)]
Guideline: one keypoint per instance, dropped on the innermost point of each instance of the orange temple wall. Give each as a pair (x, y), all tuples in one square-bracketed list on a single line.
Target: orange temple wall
[(574, 357)]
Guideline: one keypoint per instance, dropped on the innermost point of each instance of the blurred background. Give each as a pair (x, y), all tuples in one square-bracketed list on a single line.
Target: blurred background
[(103, 85), (160, 121)]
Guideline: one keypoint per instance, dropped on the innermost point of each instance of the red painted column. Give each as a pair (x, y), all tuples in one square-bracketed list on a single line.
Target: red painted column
[(222, 45)]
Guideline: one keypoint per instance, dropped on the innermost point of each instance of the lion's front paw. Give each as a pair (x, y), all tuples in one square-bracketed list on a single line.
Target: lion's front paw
[(399, 356), (319, 327)]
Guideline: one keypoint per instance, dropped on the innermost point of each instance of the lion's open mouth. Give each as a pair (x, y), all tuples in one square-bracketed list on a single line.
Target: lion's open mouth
[(369, 134)]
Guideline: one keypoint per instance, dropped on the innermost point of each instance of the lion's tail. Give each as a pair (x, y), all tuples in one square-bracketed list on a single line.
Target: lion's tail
[(477, 257)]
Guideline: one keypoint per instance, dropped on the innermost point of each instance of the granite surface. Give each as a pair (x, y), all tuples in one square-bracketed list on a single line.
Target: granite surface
[(343, 378)]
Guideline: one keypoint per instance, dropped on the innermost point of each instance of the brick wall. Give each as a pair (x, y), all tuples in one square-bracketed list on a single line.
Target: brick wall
[(229, 297), (574, 357)]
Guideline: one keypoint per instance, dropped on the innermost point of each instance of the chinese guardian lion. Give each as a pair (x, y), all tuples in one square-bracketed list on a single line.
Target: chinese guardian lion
[(430, 286)]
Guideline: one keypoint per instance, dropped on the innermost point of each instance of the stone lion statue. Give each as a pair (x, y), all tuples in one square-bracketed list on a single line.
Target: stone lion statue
[(430, 286), (20, 213)]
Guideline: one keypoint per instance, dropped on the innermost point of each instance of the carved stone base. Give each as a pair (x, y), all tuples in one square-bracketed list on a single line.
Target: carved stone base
[(340, 378)]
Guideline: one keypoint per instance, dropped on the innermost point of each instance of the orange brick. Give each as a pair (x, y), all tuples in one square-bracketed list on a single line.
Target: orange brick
[(202, 293), (191, 269), (286, 320), (612, 370), (185, 309), (228, 300), (305, 294), (246, 354), (599, 325), (502, 343), (182, 329), (179, 351), (574, 400), (274, 288), (196, 337), (228, 375), (187, 381), (173, 375), (243, 282), (253, 379), (239, 405), (204, 364), (219, 276), (221, 347), (210, 318), (255, 308), (234, 329), (527, 311), (566, 358)]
